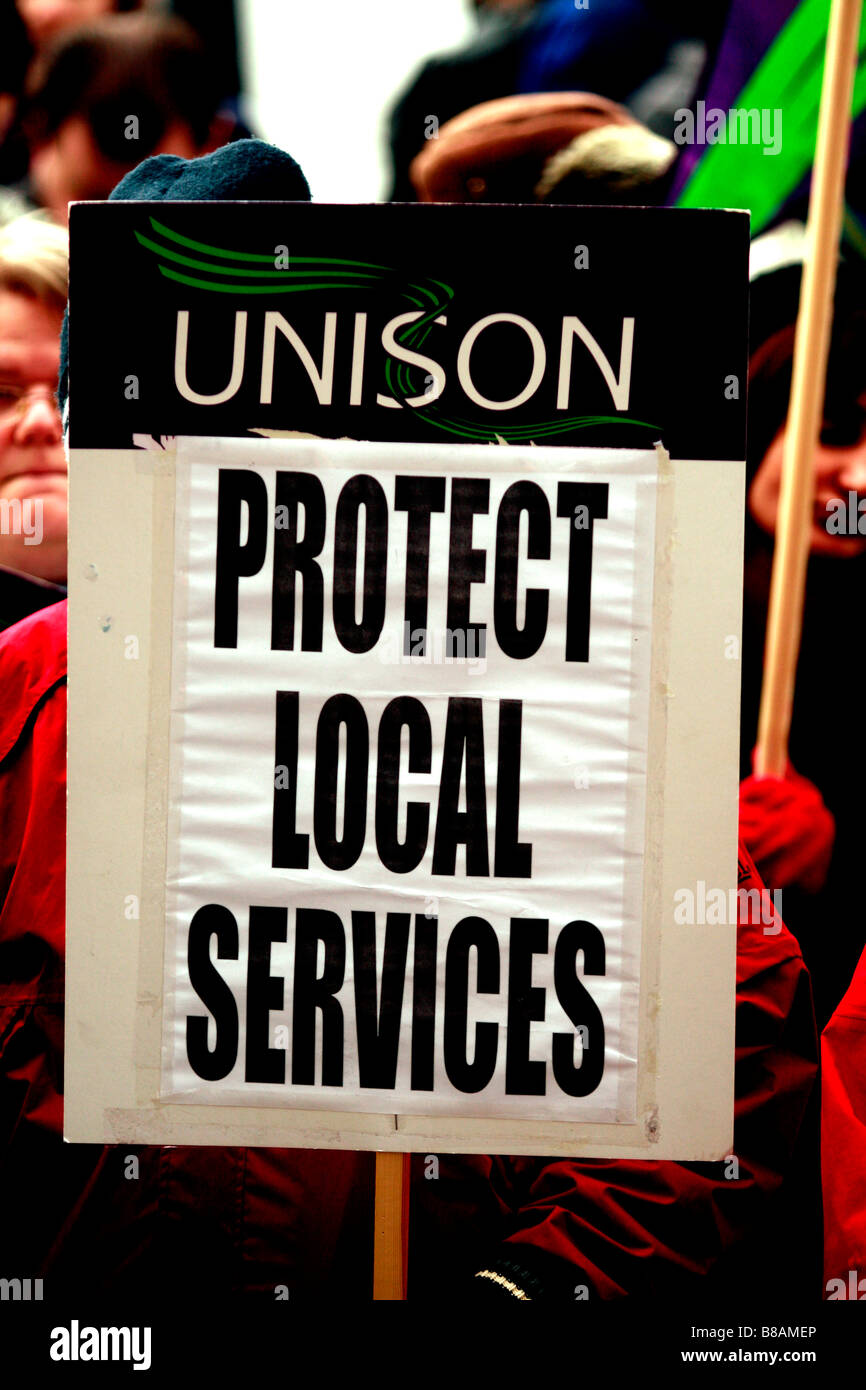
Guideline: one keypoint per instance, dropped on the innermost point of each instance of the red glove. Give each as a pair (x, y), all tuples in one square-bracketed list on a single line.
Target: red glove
[(787, 829)]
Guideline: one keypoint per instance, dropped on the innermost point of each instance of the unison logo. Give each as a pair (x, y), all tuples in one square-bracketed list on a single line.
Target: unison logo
[(321, 373), (338, 356)]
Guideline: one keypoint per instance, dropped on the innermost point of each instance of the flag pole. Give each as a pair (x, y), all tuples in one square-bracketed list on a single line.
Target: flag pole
[(811, 347), (391, 1227)]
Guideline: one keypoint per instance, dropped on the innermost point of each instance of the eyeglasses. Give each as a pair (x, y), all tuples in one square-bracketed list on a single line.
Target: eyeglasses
[(14, 398)]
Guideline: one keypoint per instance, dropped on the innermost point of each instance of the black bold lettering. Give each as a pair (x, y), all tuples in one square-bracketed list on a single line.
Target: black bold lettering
[(520, 642), (464, 731), (289, 850), (214, 993), (379, 1036), (236, 487), (403, 713), (420, 497), (469, 498), (467, 1076), (512, 859), (311, 992), (570, 497), (264, 993), (424, 1001), (581, 1008), (360, 491), (295, 556), (526, 1004), (341, 710)]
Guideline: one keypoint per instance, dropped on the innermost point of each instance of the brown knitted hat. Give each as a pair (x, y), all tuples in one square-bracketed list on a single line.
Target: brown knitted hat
[(495, 152)]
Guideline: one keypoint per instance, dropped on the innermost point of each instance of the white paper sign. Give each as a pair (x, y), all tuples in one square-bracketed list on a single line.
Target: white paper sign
[(409, 722)]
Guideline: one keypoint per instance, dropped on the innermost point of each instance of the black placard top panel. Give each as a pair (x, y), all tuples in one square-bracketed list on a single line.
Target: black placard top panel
[(554, 325)]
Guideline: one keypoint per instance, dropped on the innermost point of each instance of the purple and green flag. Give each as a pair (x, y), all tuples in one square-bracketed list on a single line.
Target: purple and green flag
[(768, 65)]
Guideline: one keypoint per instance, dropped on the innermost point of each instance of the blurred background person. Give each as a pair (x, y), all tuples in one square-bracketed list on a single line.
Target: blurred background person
[(27, 26), (560, 147), (446, 84), (805, 830), (33, 477), (109, 94), (645, 54), (43, 20), (821, 892), (15, 55)]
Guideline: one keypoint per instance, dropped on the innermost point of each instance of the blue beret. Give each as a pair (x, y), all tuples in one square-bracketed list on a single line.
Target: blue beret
[(244, 171)]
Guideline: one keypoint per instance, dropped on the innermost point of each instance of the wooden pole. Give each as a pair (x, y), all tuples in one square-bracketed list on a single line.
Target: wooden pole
[(391, 1238), (811, 347)]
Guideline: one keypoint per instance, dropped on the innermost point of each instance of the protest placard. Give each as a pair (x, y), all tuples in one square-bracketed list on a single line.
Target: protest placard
[(408, 771), (388, 760)]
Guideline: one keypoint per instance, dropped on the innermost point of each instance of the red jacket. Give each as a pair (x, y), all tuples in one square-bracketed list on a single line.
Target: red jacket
[(250, 1220), (843, 1143)]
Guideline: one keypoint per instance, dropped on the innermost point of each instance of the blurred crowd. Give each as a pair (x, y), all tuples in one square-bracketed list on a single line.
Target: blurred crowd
[(551, 102)]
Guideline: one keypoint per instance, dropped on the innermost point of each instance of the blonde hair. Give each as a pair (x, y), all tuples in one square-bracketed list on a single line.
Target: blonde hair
[(34, 258)]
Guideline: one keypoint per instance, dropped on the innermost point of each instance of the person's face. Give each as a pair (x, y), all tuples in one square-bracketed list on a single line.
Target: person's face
[(71, 165), (45, 18), (32, 462), (838, 471)]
